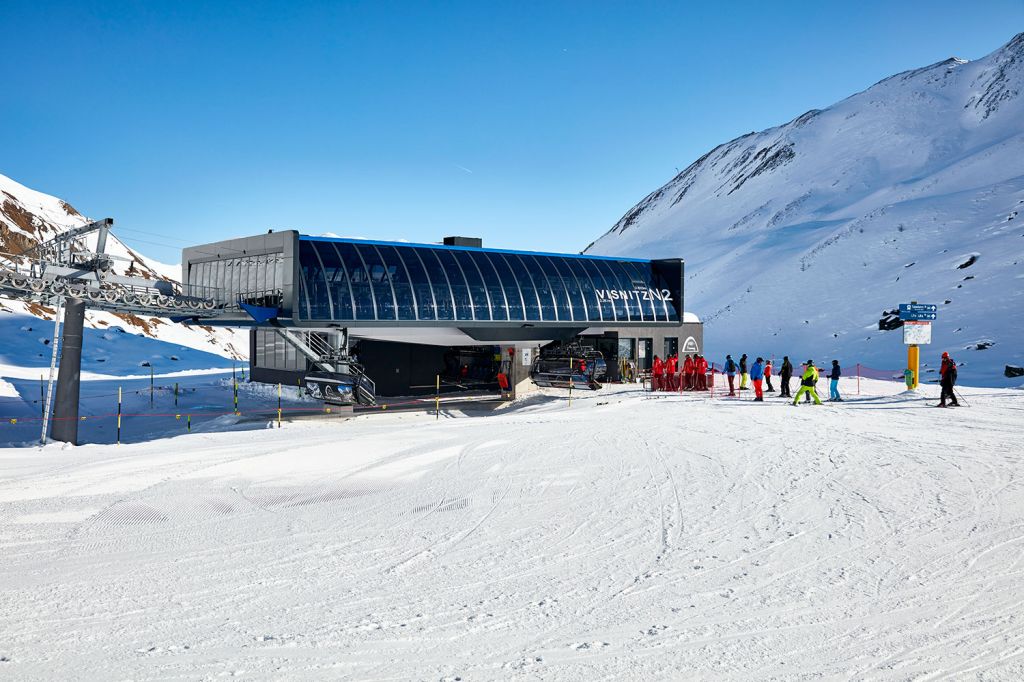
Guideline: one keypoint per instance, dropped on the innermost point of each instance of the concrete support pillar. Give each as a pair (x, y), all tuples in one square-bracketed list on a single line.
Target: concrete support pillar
[(65, 405), (520, 383)]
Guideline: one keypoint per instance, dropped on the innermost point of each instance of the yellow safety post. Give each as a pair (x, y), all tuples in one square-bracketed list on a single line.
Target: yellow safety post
[(914, 362), (279, 406), (118, 415), (437, 399)]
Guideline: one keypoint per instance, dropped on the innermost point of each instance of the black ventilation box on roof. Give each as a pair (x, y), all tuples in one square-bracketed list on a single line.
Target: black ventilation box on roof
[(475, 242)]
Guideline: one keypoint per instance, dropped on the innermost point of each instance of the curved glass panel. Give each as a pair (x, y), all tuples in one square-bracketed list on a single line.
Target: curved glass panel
[(587, 293), (420, 283), (345, 281), (457, 281), (572, 288), (513, 294), (380, 280), (399, 277), (605, 302), (439, 282), (558, 291), (501, 302), (477, 291), (652, 305), (541, 285), (337, 281), (302, 309), (319, 306), (359, 282), (522, 277), (635, 293)]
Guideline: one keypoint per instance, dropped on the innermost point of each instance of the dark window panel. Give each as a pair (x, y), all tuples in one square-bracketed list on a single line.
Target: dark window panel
[(524, 282)]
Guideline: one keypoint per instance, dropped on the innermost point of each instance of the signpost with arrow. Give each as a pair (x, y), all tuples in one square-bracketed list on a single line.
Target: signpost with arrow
[(917, 331)]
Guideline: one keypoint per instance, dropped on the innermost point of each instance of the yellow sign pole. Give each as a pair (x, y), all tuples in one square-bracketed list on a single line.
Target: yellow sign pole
[(914, 363)]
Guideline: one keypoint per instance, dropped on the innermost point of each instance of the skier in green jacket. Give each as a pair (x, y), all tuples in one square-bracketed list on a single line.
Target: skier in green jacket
[(807, 381)]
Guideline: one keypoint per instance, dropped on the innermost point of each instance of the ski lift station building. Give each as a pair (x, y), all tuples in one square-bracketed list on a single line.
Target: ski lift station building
[(409, 312)]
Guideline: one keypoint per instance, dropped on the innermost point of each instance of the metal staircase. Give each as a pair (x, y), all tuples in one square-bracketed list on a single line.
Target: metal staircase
[(331, 357)]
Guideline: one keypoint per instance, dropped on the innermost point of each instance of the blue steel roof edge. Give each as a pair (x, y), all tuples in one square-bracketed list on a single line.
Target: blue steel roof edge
[(308, 238)]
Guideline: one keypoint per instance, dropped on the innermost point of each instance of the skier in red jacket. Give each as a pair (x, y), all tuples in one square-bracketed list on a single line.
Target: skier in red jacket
[(671, 372), (702, 373), (657, 373)]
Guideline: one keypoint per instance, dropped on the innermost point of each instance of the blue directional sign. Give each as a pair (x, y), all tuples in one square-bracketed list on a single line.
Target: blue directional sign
[(918, 311)]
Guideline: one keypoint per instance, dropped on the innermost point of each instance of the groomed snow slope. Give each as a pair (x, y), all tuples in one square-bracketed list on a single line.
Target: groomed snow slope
[(797, 238), (624, 537)]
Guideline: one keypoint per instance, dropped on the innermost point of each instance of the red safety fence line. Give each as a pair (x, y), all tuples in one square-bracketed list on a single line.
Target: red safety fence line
[(268, 411), (713, 372)]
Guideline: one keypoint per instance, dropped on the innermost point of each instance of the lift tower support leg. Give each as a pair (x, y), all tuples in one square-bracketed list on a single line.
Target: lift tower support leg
[(65, 406)]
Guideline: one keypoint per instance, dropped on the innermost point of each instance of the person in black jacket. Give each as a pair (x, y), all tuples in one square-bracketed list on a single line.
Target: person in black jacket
[(744, 373), (833, 384), (784, 376)]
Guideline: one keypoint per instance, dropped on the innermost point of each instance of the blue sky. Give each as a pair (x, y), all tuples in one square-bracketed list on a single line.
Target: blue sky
[(531, 124)]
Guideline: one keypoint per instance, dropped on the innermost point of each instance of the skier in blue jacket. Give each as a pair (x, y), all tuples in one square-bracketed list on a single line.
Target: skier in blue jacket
[(730, 371), (757, 376)]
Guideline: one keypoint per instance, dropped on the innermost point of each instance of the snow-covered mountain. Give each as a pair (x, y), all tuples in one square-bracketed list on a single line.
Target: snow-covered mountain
[(28, 217), (797, 239)]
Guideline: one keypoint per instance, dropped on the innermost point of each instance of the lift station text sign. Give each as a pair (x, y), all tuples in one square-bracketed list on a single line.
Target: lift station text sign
[(918, 311), (634, 294)]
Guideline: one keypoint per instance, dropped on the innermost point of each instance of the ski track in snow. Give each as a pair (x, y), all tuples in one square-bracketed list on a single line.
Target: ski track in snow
[(627, 536)]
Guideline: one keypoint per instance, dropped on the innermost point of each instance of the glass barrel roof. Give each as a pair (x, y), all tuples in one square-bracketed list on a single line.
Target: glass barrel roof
[(368, 281)]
